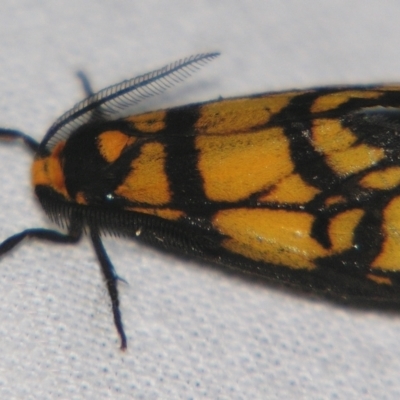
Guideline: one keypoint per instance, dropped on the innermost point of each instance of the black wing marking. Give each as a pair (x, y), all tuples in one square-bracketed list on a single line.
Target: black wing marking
[(109, 103)]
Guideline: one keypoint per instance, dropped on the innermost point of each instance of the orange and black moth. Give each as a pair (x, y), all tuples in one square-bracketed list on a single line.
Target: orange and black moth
[(300, 187)]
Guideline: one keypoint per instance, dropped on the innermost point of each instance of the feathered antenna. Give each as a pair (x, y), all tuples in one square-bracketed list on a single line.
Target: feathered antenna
[(113, 100)]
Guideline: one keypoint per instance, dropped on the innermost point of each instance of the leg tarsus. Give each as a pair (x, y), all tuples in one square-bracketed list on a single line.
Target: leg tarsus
[(120, 328), (111, 280)]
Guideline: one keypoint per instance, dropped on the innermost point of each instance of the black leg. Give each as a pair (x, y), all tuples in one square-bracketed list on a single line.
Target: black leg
[(42, 234), (12, 134), (87, 87), (111, 280)]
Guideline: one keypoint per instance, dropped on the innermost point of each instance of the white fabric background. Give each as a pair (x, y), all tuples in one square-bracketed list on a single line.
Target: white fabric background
[(193, 332)]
